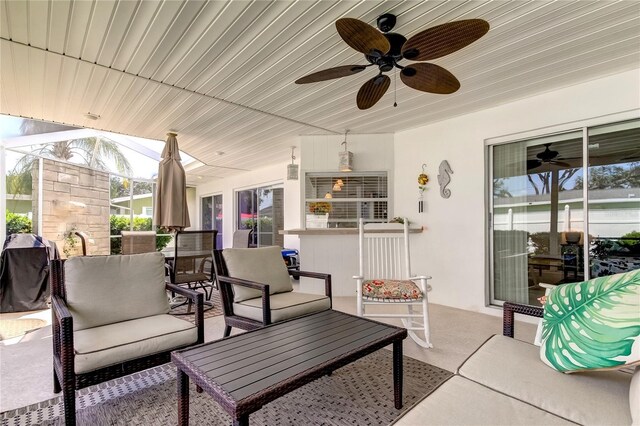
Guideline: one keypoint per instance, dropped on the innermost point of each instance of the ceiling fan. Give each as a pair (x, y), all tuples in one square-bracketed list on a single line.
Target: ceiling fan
[(547, 156), (386, 49)]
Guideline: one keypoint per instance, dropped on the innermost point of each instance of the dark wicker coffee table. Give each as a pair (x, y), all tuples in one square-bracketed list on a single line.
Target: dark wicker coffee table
[(246, 371)]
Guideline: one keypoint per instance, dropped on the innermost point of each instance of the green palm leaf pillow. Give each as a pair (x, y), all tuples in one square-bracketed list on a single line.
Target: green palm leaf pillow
[(593, 324)]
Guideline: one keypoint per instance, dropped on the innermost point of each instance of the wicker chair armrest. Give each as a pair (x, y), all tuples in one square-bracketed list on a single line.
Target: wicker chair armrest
[(245, 283), (198, 299), (264, 288), (318, 275), (191, 294), (510, 308), (60, 310)]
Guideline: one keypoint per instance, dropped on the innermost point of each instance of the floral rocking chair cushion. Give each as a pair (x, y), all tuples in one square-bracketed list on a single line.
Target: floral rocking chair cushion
[(391, 290)]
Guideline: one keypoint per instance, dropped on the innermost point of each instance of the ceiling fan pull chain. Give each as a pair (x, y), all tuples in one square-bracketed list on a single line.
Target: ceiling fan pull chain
[(395, 89)]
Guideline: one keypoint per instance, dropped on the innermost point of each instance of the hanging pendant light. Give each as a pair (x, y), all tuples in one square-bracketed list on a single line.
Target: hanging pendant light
[(292, 169), (345, 157)]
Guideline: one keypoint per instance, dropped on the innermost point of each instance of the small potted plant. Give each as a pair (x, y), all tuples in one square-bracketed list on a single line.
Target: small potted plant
[(318, 216)]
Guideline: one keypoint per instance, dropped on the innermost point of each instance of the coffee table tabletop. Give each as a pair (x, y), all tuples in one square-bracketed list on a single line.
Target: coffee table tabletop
[(246, 371)]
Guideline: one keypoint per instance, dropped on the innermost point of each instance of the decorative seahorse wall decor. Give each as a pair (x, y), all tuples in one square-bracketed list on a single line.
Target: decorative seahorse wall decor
[(444, 177)]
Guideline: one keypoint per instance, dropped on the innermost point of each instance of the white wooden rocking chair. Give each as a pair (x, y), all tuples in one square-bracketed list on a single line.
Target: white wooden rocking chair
[(385, 278)]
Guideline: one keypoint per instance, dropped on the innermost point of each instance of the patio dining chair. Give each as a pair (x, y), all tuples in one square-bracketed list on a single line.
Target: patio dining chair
[(385, 278), (135, 242), (190, 264), (241, 238), (256, 288)]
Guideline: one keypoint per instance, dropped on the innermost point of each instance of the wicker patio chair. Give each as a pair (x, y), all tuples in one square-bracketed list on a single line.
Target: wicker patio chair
[(110, 318), (256, 289)]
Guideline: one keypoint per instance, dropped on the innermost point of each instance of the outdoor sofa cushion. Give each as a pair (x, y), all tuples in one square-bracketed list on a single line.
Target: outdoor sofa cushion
[(114, 343), (513, 367), (460, 401), (634, 397), (263, 265), (284, 306), (110, 289)]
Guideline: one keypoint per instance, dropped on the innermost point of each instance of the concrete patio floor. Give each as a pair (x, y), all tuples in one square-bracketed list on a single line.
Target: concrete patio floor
[(26, 372)]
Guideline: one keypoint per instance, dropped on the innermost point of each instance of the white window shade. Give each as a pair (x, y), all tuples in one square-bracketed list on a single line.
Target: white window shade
[(353, 195)]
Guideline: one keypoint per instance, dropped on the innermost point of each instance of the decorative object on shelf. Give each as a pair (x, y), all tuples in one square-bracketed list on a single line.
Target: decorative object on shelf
[(317, 220), (422, 185), (319, 215), (444, 177), (345, 157), (399, 219), (328, 195), (292, 169), (319, 207)]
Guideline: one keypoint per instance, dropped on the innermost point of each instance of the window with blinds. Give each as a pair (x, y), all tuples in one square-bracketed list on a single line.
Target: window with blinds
[(350, 196)]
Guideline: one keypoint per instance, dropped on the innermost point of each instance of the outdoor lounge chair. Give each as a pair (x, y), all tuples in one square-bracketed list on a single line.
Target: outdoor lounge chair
[(256, 289), (110, 318)]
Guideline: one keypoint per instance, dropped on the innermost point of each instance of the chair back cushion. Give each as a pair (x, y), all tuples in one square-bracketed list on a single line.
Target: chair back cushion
[(263, 265), (109, 289)]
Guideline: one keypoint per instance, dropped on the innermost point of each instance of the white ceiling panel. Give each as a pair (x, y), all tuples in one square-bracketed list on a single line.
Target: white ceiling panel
[(221, 73)]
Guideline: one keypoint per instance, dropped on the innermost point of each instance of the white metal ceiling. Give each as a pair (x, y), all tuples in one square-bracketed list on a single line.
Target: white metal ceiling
[(221, 73)]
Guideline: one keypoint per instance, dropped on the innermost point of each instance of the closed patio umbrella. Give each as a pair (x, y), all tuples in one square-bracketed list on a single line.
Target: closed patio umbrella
[(170, 205)]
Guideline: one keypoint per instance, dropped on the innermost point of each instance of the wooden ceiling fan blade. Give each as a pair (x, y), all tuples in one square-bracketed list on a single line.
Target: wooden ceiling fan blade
[(429, 78), (444, 39), (331, 73), (372, 91), (561, 163), (362, 36)]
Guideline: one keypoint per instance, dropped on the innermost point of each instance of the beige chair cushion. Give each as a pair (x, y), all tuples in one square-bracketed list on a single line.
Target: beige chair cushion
[(284, 306), (114, 343), (263, 265), (109, 289), (634, 397), (462, 402), (514, 368)]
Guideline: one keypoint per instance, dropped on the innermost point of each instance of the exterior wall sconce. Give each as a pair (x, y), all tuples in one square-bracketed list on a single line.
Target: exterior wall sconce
[(292, 169)]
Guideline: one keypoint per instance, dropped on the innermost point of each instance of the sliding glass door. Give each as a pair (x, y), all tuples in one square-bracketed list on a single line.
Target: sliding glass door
[(543, 215), (262, 210), (211, 215)]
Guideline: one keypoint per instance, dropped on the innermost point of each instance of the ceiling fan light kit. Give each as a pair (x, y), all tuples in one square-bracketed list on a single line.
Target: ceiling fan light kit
[(385, 49)]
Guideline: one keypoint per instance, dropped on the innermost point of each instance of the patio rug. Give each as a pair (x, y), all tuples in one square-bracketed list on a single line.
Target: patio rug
[(180, 311), (18, 327), (360, 393)]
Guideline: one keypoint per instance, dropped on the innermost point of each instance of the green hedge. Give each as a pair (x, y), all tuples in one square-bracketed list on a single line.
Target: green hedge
[(17, 223), (122, 223)]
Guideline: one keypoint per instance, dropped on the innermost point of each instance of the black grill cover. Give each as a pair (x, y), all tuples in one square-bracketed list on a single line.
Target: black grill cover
[(24, 272)]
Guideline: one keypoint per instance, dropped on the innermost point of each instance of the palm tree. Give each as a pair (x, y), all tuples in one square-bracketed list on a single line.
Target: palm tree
[(93, 152)]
